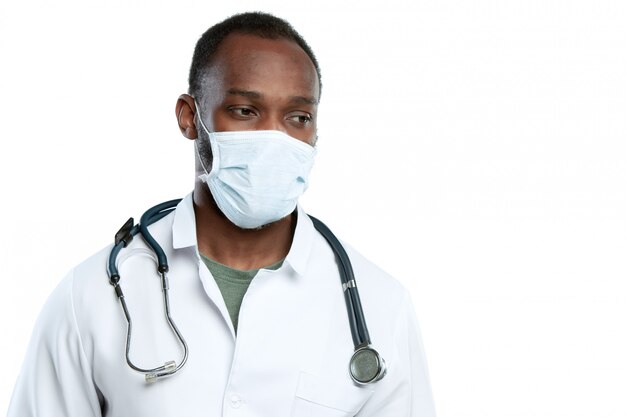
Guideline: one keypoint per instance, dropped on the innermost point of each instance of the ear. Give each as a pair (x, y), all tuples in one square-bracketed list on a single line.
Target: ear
[(185, 113)]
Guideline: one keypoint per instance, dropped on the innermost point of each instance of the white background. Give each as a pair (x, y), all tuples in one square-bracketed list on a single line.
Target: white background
[(474, 149)]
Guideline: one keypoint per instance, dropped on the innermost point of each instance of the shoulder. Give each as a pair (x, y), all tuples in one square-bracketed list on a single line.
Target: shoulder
[(375, 286), (92, 294), (92, 273), (369, 275)]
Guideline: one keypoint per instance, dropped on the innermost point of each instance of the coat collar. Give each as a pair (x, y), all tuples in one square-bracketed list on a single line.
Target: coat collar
[(184, 234)]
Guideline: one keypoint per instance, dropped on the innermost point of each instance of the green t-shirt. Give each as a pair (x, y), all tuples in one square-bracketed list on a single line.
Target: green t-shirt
[(233, 284)]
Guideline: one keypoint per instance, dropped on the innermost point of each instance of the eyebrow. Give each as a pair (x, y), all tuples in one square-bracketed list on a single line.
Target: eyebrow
[(303, 100), (257, 95), (244, 93)]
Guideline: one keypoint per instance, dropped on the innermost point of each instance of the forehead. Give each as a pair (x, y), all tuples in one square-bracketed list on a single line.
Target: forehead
[(270, 66)]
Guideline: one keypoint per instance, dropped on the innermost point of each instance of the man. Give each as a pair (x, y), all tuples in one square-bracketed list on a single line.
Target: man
[(253, 288)]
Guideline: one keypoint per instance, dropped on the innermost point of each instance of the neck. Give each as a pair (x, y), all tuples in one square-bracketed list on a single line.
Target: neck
[(219, 239)]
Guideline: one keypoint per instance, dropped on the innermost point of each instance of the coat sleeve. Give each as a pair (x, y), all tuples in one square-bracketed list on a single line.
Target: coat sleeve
[(405, 390), (56, 378)]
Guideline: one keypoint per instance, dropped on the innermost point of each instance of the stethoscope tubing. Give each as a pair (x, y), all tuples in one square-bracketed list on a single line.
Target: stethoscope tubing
[(356, 318), (150, 216), (360, 334)]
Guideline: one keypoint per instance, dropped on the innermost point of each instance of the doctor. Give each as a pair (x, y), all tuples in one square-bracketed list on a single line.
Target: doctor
[(253, 287)]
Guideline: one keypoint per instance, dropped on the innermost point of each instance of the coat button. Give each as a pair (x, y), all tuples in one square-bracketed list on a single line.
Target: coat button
[(235, 401)]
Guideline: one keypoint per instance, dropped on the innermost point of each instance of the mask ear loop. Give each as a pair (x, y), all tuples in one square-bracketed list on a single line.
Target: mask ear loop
[(199, 116), (204, 177)]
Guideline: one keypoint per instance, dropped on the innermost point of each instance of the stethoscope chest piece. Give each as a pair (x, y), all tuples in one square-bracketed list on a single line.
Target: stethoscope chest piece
[(367, 366)]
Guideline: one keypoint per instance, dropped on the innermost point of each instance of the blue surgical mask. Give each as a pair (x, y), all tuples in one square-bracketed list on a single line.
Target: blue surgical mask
[(256, 176)]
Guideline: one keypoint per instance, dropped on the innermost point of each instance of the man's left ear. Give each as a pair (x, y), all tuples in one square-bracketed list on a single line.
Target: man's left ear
[(185, 114)]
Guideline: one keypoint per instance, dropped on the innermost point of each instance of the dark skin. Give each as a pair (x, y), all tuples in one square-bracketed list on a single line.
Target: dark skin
[(252, 84)]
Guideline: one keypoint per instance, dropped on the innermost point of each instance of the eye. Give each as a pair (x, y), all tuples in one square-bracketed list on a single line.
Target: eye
[(242, 112), (301, 119)]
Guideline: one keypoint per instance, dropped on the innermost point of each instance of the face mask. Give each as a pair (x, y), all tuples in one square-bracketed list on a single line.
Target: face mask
[(257, 176)]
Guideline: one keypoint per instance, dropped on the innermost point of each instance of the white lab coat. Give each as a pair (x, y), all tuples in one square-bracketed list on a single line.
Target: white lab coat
[(290, 356)]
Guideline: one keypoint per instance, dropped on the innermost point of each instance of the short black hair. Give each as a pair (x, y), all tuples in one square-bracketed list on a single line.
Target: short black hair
[(259, 24)]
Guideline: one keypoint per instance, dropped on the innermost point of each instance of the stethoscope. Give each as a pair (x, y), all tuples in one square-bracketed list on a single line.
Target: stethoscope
[(366, 364)]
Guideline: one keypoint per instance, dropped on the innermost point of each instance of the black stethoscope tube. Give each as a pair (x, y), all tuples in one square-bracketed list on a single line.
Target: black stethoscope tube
[(152, 215), (360, 335)]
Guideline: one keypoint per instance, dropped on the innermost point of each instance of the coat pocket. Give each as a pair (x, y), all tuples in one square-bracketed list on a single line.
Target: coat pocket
[(320, 398)]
